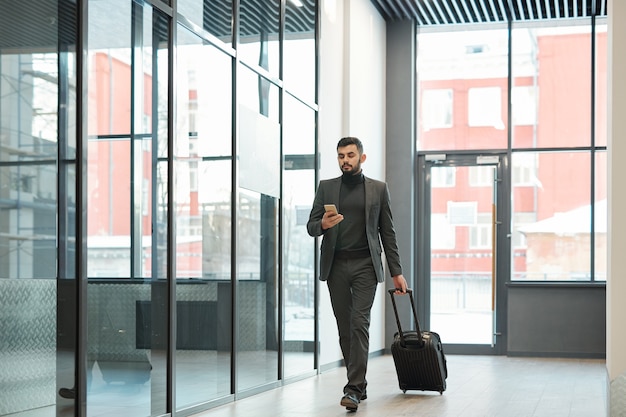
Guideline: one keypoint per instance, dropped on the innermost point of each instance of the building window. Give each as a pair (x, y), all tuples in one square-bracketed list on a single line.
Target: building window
[(443, 177), (480, 233), (524, 103), (437, 109), (484, 107), (481, 176)]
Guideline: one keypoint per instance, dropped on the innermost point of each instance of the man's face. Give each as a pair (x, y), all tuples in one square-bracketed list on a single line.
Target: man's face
[(349, 159)]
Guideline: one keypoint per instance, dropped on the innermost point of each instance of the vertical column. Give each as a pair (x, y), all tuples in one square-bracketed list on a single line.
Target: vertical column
[(400, 151), (616, 280)]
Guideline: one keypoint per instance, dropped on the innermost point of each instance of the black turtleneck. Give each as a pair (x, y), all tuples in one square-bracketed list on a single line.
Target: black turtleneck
[(352, 205)]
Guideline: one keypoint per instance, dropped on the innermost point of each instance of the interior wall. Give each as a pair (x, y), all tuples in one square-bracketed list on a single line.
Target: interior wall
[(351, 103)]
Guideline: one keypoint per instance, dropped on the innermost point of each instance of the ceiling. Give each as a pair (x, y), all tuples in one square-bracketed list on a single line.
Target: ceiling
[(34, 24), (454, 12)]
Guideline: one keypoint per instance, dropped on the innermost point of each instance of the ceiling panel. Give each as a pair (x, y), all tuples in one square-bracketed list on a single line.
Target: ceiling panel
[(452, 12)]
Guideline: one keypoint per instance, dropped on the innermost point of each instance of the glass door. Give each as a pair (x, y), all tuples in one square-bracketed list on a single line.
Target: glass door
[(463, 243)]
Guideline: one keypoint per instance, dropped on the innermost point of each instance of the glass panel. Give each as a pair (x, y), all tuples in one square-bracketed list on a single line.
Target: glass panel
[(142, 70), (109, 208), (257, 232), (259, 134), (127, 295), (601, 85), (30, 82), (157, 56), (109, 67), (462, 88), (551, 98), (298, 262), (203, 222), (257, 308), (551, 221), (299, 48), (258, 34), (204, 100), (461, 254), (601, 217), (214, 16), (203, 289)]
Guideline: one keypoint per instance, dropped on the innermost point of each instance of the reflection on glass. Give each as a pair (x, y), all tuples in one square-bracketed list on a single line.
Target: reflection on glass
[(205, 99), (299, 48), (257, 275), (109, 67), (258, 34), (214, 16), (551, 216), (298, 262), (462, 90), (259, 134), (258, 94), (551, 97)]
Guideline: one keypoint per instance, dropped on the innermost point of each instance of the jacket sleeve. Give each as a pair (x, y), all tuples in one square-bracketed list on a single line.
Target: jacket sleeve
[(387, 234), (314, 225)]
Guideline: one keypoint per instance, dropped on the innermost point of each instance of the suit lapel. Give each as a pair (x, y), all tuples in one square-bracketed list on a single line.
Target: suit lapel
[(335, 192), (369, 194)]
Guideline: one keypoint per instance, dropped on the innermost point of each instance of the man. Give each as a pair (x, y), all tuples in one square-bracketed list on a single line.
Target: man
[(351, 261)]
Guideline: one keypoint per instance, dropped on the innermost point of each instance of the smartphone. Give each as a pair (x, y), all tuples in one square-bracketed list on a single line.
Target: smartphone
[(330, 207)]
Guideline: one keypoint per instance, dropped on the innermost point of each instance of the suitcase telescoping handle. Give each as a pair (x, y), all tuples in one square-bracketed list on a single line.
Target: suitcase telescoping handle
[(409, 291)]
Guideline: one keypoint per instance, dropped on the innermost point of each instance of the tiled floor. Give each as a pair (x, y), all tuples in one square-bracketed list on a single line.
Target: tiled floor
[(478, 386)]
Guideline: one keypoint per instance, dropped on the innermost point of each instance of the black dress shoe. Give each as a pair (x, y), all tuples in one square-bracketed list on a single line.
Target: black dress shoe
[(69, 393), (364, 396), (350, 402)]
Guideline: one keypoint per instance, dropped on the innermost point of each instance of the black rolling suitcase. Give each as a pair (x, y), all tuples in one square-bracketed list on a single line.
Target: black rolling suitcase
[(418, 355)]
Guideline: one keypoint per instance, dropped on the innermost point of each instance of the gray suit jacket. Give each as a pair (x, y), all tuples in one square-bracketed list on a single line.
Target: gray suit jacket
[(378, 223)]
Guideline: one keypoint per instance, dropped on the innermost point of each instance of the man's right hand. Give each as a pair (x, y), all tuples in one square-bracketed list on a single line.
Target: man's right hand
[(331, 220)]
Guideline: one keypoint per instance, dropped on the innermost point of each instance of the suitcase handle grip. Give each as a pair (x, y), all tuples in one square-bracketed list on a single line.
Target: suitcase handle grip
[(392, 293)]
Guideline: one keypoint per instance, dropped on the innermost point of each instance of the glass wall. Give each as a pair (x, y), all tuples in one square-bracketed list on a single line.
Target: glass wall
[(203, 222), (462, 81), (554, 167), (299, 279), (555, 131), (257, 231), (38, 72), (194, 201), (127, 195)]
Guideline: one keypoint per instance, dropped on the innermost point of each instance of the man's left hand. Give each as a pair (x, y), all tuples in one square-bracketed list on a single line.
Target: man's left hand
[(399, 283)]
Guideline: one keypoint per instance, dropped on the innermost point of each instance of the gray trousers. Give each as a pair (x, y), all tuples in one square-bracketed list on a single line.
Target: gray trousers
[(352, 286)]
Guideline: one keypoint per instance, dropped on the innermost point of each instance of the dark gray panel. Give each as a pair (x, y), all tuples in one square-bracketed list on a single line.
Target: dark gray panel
[(557, 320)]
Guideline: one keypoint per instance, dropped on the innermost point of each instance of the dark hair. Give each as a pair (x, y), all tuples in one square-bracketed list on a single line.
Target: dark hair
[(351, 140)]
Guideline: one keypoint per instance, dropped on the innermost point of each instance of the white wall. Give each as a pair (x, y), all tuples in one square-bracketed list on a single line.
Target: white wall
[(352, 103)]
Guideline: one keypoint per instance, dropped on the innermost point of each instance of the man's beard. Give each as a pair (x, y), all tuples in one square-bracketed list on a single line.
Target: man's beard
[(351, 170)]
